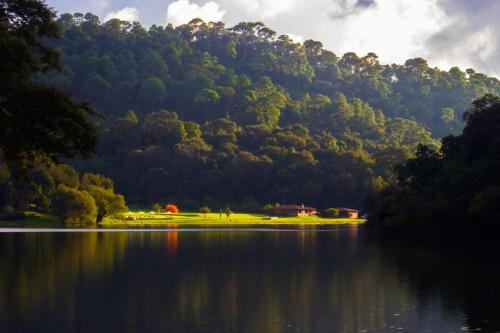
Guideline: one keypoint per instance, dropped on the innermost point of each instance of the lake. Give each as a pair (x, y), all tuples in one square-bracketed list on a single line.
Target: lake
[(340, 279)]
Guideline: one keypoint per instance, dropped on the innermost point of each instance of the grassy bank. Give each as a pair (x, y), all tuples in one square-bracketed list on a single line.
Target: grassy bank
[(221, 220), (30, 219)]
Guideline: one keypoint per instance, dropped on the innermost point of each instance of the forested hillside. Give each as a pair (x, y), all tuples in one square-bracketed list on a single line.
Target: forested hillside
[(204, 114), (459, 186)]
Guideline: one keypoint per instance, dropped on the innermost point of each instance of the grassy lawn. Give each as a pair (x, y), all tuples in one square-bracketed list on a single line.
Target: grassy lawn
[(216, 219), (188, 219)]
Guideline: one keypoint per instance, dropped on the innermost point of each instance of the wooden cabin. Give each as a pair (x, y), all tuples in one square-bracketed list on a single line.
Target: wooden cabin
[(293, 211), (348, 213)]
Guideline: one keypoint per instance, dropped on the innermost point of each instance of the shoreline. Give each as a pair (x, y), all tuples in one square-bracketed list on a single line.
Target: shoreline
[(248, 228), (185, 220)]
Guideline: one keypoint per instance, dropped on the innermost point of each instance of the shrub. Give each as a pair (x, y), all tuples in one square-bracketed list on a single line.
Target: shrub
[(156, 208), (249, 205), (267, 208), (73, 206), (205, 210), (8, 209), (332, 213)]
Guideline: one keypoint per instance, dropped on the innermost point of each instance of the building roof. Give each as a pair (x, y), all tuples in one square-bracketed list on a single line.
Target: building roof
[(342, 209), (293, 207)]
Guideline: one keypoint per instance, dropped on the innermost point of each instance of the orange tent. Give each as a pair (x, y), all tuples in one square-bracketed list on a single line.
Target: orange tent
[(171, 208)]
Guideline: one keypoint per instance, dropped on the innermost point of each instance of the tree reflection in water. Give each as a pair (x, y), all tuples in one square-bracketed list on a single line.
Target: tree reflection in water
[(343, 280)]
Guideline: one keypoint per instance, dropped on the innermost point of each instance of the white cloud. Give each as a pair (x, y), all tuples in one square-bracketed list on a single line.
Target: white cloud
[(271, 8), (183, 11), (296, 38), (129, 14), (470, 38), (265, 8), (395, 30)]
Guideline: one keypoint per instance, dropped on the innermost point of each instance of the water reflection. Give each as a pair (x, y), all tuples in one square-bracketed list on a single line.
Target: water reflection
[(241, 281)]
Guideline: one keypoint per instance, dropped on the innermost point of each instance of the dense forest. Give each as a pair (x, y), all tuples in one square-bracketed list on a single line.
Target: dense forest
[(458, 185), (40, 124), (201, 114)]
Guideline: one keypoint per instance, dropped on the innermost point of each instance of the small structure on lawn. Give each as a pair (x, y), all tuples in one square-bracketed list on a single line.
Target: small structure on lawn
[(293, 211), (348, 213)]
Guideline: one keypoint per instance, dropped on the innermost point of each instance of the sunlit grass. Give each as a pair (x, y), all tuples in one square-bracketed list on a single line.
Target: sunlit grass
[(142, 218), (187, 218)]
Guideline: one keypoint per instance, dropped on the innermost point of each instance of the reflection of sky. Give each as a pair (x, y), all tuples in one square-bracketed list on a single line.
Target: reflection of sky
[(226, 281), (447, 32)]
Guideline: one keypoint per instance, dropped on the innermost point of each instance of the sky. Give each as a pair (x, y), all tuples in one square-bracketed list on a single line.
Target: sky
[(463, 33)]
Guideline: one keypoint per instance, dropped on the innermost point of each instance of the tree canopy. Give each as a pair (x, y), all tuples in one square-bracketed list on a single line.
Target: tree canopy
[(458, 183), (35, 118)]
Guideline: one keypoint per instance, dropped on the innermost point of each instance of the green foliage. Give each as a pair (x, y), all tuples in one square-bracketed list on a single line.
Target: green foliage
[(35, 188), (205, 210), (152, 92), (459, 183), (102, 190), (74, 207), (91, 179), (332, 213), (165, 127), (268, 207), (448, 115), (47, 186), (156, 208), (63, 174), (36, 119)]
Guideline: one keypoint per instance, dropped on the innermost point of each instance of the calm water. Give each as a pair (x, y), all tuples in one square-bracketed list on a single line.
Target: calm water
[(342, 280)]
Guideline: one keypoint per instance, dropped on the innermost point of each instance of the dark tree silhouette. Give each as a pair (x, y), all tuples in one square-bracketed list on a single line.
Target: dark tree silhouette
[(36, 119)]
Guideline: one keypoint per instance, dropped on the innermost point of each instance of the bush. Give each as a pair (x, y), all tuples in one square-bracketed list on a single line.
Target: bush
[(332, 213), (267, 208), (249, 205), (205, 210), (156, 208), (8, 209), (74, 207)]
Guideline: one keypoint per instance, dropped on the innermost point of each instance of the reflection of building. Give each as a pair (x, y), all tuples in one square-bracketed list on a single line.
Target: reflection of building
[(348, 213), (293, 210)]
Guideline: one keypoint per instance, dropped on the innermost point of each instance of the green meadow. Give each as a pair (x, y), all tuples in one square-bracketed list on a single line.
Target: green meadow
[(31, 219), (216, 219)]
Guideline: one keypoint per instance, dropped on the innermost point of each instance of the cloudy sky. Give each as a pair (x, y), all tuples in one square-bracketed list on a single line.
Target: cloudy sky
[(464, 33)]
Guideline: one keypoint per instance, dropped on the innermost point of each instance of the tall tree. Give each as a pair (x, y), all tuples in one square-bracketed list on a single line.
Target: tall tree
[(36, 119)]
